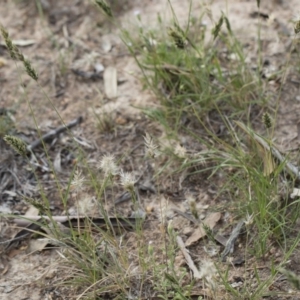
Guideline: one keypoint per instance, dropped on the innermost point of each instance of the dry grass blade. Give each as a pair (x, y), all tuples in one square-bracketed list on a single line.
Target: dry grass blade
[(291, 168), (110, 82)]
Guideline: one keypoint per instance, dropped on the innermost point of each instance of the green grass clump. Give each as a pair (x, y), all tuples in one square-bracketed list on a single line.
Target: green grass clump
[(195, 74)]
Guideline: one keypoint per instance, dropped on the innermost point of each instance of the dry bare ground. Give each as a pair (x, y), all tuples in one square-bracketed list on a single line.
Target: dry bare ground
[(65, 44)]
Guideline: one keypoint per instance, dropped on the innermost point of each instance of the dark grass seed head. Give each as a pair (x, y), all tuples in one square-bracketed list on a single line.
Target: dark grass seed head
[(297, 27), (17, 144), (228, 26), (178, 39), (17, 55), (30, 70), (105, 7), (216, 30), (193, 208), (9, 44), (42, 208), (267, 120)]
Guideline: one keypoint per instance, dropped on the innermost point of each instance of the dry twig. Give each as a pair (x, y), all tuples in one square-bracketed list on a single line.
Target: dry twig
[(230, 243), (188, 257), (48, 137)]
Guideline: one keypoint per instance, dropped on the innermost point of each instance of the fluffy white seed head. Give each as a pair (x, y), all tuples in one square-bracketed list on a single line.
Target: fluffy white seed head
[(180, 151), (108, 166), (128, 180), (151, 147), (77, 183)]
